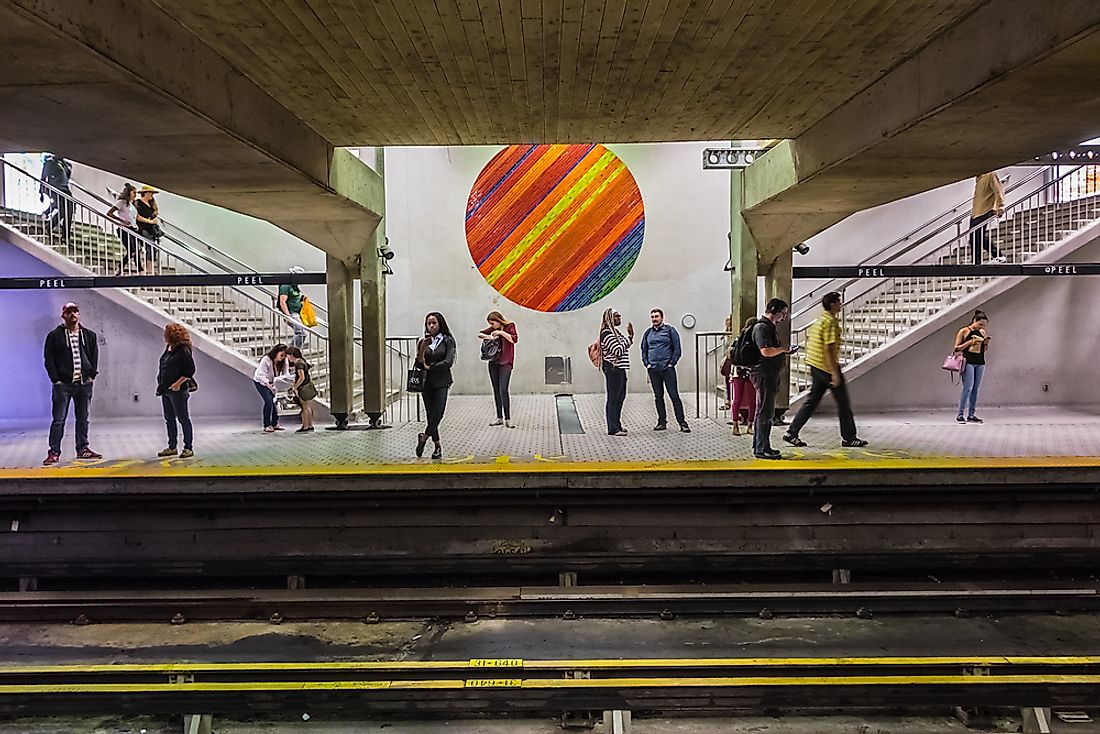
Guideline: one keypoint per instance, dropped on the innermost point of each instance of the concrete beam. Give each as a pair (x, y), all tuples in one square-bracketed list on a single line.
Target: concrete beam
[(124, 87), (1013, 79)]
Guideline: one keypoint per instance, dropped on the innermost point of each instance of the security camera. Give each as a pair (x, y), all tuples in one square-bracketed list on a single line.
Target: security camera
[(802, 248), (384, 251)]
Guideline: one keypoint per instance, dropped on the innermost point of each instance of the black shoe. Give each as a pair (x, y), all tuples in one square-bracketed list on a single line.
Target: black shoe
[(660, 427), (959, 418), (855, 443), (421, 439), (685, 428), (793, 440), (974, 419), (771, 455), (438, 452)]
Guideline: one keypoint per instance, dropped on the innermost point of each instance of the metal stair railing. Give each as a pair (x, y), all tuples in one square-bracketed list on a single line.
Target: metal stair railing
[(891, 307)]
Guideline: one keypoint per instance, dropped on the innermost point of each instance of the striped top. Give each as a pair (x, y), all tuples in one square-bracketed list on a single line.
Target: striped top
[(74, 347), (615, 348), (826, 330)]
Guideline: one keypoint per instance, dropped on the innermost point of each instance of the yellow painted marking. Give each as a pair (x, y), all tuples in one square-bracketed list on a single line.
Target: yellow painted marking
[(503, 459), (533, 683), (494, 683), (466, 465), (496, 663), (549, 459), (599, 663)]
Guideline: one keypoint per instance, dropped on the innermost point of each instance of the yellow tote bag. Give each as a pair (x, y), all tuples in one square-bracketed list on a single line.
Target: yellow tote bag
[(309, 316)]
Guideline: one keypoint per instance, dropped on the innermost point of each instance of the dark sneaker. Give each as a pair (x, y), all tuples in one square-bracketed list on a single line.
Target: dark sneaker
[(685, 428), (163, 453), (186, 454), (793, 440), (960, 419), (421, 439), (974, 419), (89, 454), (660, 427), (771, 455), (51, 458), (855, 443), (438, 452)]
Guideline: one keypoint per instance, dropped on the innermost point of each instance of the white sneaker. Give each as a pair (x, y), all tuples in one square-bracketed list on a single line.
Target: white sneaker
[(497, 422), (999, 260), (509, 424)]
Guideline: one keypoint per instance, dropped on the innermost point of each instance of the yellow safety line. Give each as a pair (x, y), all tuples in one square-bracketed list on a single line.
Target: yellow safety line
[(525, 664), (155, 470), (541, 683)]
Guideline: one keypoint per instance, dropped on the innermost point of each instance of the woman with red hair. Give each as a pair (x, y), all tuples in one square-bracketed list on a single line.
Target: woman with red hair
[(175, 381)]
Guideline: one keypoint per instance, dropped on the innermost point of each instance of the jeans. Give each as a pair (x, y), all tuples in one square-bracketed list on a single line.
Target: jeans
[(500, 375), (972, 380), (174, 403), (615, 377), (821, 383), (299, 339), (271, 412), (744, 394), (435, 403), (767, 386), (61, 211), (80, 393), (980, 238), (661, 380)]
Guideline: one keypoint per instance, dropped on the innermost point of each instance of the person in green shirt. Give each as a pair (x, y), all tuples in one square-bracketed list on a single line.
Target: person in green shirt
[(823, 357), (290, 303)]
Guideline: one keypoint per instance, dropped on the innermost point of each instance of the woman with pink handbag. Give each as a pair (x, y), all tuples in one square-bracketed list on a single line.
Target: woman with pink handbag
[(971, 342)]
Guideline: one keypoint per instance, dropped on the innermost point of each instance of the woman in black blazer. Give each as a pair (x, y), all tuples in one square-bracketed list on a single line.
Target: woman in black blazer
[(435, 355)]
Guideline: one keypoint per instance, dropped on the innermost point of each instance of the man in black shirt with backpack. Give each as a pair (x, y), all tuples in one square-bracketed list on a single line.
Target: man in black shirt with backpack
[(758, 348)]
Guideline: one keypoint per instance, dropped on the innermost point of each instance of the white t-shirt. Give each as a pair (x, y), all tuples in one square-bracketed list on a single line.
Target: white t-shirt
[(124, 210)]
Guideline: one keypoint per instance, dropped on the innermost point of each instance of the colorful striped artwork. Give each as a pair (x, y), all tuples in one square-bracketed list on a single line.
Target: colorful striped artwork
[(555, 227)]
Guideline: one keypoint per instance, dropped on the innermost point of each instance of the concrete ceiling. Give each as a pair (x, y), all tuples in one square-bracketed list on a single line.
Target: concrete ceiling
[(394, 72)]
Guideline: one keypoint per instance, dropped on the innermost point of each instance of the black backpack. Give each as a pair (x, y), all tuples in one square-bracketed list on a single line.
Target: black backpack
[(745, 353)]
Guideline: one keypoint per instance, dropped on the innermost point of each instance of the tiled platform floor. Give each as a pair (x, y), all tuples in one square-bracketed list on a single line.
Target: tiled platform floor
[(468, 439)]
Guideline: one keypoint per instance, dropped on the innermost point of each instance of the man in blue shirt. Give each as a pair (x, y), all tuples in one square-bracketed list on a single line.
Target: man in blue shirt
[(660, 353)]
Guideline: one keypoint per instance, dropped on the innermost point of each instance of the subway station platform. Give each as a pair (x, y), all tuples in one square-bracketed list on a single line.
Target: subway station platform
[(1043, 438)]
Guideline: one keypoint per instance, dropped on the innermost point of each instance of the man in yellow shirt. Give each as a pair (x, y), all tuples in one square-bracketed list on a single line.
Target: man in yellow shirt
[(823, 356), (989, 202)]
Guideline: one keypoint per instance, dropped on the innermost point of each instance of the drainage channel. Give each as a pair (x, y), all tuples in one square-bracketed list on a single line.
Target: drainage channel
[(569, 420)]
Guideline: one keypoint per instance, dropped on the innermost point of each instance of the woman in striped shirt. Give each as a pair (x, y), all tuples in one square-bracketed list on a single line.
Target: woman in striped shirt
[(615, 360)]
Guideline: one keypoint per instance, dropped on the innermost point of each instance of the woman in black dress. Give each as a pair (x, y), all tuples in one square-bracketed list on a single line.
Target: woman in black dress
[(435, 355)]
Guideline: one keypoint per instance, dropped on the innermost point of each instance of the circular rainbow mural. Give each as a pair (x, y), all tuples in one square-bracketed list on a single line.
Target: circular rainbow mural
[(555, 227)]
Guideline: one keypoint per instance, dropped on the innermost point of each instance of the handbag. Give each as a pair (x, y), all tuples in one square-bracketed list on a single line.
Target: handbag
[(192, 384), (726, 368), (490, 349), (595, 354), (415, 380), (308, 314), (307, 391), (955, 362)]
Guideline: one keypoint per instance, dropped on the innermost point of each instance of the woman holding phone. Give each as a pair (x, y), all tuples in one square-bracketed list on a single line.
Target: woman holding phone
[(972, 341)]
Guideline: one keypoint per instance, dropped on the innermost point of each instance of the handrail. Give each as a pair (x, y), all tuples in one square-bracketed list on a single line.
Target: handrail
[(939, 230), (156, 247), (831, 285)]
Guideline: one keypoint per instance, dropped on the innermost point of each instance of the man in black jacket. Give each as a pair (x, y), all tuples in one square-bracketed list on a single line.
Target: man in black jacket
[(72, 360), (56, 173)]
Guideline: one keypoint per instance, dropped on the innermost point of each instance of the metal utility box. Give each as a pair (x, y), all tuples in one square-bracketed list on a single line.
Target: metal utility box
[(559, 370)]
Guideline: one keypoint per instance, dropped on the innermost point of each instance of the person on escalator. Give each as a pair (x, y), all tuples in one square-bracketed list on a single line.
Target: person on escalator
[(123, 213)]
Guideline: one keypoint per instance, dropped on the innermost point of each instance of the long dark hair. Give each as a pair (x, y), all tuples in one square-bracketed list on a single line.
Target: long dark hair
[(128, 193), (979, 315), (443, 329), (275, 350)]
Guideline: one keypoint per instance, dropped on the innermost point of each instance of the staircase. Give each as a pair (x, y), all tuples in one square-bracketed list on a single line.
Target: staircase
[(245, 320), (879, 313)]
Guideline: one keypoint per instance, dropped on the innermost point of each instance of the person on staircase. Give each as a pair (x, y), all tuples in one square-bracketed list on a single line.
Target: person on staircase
[(972, 340), (823, 356), (989, 202), (504, 333), (304, 392), (175, 381), (274, 367), (148, 226), (290, 303), (71, 354), (435, 355), (124, 214), (661, 351), (56, 175)]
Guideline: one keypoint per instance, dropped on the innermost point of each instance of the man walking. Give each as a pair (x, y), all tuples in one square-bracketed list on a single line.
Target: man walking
[(989, 202), (72, 358), (290, 303), (823, 357), (56, 173), (660, 353), (765, 375)]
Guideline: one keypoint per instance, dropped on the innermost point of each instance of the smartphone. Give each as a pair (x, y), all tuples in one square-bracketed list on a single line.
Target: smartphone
[(794, 349)]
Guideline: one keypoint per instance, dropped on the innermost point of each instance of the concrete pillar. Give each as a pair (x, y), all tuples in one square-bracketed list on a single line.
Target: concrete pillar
[(778, 283), (372, 284), (341, 345), (743, 257)]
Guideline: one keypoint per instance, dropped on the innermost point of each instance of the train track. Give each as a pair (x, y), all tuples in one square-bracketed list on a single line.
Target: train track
[(546, 601)]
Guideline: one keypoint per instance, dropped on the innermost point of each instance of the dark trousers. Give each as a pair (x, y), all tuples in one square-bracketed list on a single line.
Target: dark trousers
[(271, 411), (767, 387), (500, 375), (821, 383), (662, 380), (174, 404), (61, 213), (615, 377), (80, 393), (435, 404), (980, 239)]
